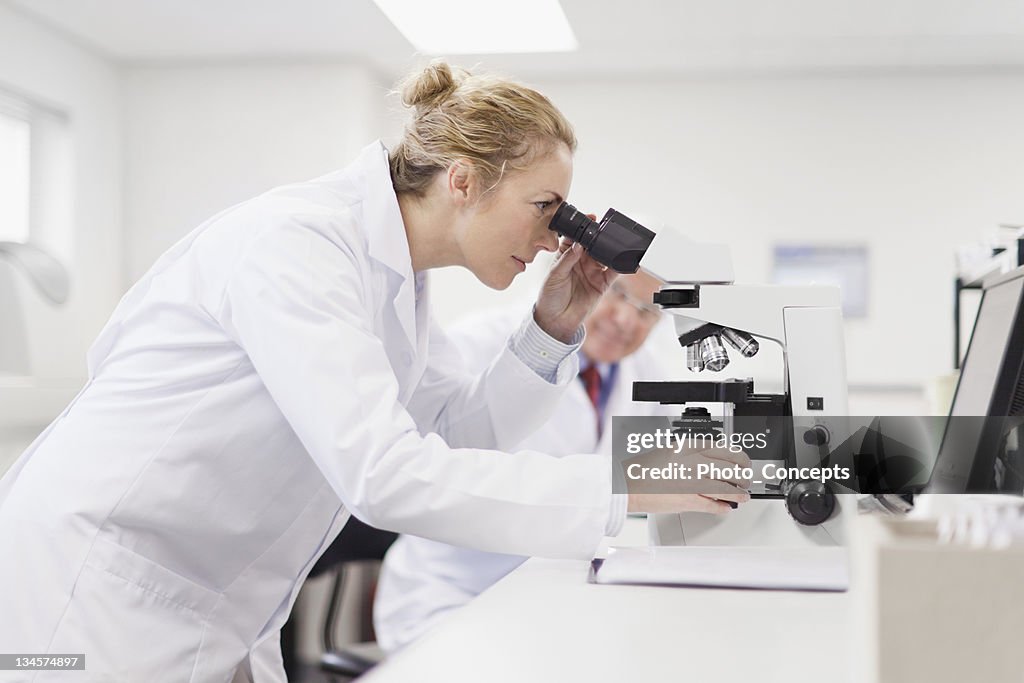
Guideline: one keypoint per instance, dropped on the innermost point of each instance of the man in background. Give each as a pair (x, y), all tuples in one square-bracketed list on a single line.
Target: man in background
[(421, 580)]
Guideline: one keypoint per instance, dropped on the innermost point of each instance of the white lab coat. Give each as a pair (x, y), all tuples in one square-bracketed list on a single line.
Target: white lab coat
[(273, 372), (422, 581)]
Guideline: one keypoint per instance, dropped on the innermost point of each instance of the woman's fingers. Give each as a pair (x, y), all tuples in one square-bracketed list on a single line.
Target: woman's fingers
[(676, 503), (717, 507), (566, 259), (596, 275), (609, 277), (722, 489), (727, 456), (731, 475), (718, 473)]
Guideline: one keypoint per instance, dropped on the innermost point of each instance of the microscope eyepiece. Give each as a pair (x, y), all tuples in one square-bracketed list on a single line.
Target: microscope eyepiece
[(617, 241)]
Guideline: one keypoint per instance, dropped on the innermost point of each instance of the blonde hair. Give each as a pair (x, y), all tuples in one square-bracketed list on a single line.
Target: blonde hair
[(497, 125)]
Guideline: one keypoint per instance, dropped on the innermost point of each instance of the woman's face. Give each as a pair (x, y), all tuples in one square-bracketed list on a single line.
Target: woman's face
[(506, 228)]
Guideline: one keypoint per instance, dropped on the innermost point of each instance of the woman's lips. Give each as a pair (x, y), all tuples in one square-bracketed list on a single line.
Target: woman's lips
[(521, 263)]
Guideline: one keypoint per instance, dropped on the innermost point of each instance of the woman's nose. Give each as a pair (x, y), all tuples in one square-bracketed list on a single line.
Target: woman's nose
[(548, 240)]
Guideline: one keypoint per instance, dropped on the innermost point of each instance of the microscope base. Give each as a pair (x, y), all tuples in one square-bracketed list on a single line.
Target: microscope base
[(757, 522)]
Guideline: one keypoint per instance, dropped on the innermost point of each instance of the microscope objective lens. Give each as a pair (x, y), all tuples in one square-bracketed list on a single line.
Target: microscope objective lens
[(713, 353), (694, 361), (741, 341)]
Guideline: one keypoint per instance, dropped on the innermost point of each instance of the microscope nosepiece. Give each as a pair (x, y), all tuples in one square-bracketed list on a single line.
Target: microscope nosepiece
[(741, 341), (694, 361), (713, 353)]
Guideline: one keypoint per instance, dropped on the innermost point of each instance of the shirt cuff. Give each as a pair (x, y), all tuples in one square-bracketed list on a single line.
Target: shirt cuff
[(616, 514), (541, 352)]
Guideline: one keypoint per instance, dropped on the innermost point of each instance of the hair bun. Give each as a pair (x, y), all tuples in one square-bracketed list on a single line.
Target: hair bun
[(430, 87)]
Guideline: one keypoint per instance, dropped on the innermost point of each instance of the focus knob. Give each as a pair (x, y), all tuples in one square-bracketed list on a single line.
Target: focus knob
[(810, 502), (816, 436)]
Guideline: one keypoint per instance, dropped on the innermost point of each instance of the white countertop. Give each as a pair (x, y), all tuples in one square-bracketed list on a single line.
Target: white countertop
[(544, 622)]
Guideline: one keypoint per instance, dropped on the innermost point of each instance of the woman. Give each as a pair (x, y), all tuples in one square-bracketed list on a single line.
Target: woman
[(277, 370)]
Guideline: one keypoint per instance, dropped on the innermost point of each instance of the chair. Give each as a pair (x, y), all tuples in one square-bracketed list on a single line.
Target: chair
[(357, 542)]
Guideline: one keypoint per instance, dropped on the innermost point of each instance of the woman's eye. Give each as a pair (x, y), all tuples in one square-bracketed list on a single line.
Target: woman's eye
[(543, 205)]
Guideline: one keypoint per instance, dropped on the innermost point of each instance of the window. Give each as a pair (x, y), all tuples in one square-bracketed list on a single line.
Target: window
[(15, 172), (36, 188)]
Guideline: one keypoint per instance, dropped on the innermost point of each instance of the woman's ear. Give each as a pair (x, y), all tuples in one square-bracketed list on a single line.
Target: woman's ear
[(462, 182)]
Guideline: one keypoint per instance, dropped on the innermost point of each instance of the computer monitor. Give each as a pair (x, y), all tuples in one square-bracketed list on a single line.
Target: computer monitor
[(981, 449)]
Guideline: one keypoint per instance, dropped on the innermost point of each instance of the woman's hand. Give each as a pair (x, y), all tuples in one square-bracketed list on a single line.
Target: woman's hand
[(721, 490), (571, 290)]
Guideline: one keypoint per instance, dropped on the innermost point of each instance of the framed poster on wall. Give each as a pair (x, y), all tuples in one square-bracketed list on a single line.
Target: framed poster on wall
[(843, 266)]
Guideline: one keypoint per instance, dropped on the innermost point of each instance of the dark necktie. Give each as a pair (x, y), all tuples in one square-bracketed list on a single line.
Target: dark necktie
[(592, 383)]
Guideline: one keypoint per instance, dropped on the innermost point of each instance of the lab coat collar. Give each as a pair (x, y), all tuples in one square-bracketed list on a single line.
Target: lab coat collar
[(387, 242)]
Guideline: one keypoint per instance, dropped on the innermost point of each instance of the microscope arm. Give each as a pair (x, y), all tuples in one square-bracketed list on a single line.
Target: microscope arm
[(675, 259)]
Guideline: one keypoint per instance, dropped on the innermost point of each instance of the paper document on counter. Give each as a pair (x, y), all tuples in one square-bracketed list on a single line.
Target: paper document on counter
[(811, 569)]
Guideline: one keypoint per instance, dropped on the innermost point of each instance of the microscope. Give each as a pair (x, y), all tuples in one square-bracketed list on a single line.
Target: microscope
[(711, 314)]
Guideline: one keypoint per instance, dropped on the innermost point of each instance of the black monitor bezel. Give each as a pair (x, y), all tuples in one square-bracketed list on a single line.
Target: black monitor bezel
[(1008, 378)]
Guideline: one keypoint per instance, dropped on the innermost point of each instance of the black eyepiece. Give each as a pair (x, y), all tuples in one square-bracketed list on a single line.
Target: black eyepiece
[(617, 241)]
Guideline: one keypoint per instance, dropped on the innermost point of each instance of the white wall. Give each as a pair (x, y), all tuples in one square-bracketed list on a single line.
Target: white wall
[(44, 66), (200, 138), (911, 166)]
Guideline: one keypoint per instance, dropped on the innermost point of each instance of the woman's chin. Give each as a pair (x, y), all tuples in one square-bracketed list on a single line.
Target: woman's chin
[(503, 285), (496, 280)]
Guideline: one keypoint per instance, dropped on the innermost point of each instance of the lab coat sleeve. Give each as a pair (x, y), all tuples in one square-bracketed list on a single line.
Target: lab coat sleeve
[(504, 404), (296, 303)]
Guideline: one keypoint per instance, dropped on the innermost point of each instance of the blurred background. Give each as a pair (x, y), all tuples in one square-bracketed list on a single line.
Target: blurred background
[(877, 145), (858, 143)]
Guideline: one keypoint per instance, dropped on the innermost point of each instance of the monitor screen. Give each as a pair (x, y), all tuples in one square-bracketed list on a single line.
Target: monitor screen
[(980, 449), (989, 342)]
